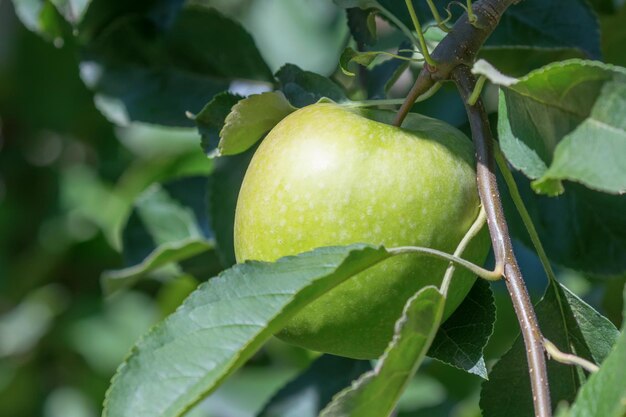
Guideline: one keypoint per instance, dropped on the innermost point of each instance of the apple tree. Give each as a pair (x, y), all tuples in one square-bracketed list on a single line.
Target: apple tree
[(365, 202)]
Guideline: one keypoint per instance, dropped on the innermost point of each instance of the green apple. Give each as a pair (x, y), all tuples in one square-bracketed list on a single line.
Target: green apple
[(327, 175)]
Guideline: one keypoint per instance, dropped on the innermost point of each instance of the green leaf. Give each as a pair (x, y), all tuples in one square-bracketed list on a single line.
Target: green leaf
[(221, 325), (168, 225), (463, 336), (384, 75), (519, 61), (307, 394), (304, 87), (150, 74), (604, 394), (224, 186), (574, 327), (362, 58), (165, 254), (564, 122), (581, 229), (554, 24), (362, 24), (376, 393), (211, 119), (250, 119)]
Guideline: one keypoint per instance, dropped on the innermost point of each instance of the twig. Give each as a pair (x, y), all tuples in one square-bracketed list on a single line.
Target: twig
[(503, 248)]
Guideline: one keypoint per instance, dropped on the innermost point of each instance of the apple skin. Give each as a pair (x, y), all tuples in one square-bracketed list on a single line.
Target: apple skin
[(327, 176)]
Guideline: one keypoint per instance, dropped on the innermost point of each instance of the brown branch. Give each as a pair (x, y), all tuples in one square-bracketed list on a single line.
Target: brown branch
[(503, 248), (453, 56), (460, 46)]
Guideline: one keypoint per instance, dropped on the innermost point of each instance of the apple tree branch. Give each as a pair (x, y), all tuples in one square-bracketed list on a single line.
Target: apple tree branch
[(453, 57)]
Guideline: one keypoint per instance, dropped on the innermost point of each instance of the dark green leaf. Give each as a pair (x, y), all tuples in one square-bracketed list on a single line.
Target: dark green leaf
[(304, 87), (224, 185), (581, 229), (382, 76), (306, 395), (564, 122), (553, 24), (614, 38), (100, 14), (146, 73), (221, 325), (462, 337), (604, 394), (362, 25), (574, 327), (169, 224), (517, 62), (250, 119), (211, 118), (376, 393)]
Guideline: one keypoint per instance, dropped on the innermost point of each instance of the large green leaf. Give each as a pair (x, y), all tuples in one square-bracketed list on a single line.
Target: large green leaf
[(146, 73), (549, 24), (307, 394), (604, 394), (250, 119), (574, 327), (221, 325), (170, 224), (463, 336), (564, 122), (376, 393), (581, 229)]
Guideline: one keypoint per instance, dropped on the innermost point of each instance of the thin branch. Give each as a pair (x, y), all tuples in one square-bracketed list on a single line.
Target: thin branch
[(503, 248)]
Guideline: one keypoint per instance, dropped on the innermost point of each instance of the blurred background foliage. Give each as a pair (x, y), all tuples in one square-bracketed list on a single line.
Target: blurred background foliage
[(70, 187)]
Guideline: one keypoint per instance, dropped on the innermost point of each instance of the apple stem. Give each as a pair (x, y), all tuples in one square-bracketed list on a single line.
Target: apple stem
[(453, 55)]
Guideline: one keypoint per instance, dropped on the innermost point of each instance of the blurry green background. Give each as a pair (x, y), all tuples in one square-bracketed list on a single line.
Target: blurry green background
[(68, 179)]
